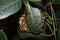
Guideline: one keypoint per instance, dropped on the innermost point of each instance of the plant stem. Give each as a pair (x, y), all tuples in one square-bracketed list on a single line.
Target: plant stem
[(49, 27), (54, 19)]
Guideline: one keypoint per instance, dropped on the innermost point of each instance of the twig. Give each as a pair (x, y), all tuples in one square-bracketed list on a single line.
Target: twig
[(47, 35), (54, 18), (49, 27)]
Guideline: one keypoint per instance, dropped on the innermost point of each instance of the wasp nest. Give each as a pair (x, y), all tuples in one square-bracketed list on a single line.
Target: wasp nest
[(22, 23)]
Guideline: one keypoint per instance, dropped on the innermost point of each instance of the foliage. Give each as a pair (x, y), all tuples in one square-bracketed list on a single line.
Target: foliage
[(35, 0), (9, 7), (2, 35)]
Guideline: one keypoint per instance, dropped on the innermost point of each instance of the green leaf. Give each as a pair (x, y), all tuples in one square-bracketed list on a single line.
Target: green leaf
[(56, 1), (16, 38), (9, 7), (2, 35), (49, 19), (33, 18), (35, 0), (58, 34)]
